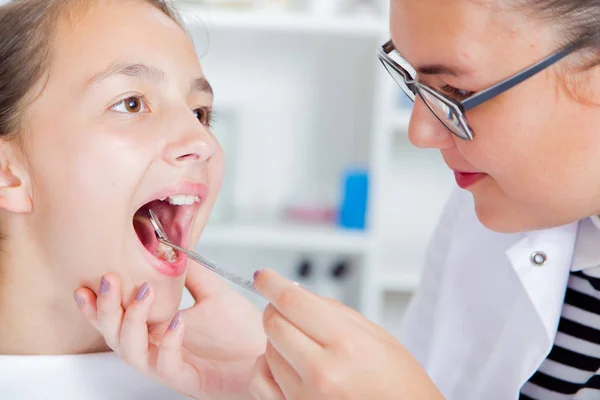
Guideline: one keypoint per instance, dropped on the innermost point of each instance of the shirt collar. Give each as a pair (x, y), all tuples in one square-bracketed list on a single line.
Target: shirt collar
[(587, 246), (596, 220)]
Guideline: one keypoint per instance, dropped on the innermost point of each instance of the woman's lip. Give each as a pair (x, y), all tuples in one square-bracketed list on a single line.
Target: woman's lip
[(467, 179)]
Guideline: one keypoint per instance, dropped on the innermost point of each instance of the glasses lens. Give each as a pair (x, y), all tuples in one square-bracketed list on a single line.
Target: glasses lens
[(446, 114), (400, 80)]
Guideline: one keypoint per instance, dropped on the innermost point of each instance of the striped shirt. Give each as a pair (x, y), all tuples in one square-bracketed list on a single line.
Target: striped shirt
[(572, 368)]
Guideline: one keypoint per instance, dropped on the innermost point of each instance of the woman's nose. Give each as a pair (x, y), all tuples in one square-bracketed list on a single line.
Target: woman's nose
[(193, 144), (426, 131)]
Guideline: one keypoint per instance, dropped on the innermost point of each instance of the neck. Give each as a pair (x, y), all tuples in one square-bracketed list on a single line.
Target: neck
[(38, 315)]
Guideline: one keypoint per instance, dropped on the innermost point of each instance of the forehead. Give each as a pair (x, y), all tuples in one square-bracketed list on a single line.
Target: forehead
[(470, 33), (121, 31)]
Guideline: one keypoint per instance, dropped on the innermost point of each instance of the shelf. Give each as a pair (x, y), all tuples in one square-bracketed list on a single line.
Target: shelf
[(400, 282), (282, 21), (287, 237)]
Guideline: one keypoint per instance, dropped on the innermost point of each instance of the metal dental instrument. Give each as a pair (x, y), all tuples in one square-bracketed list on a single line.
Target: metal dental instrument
[(205, 262)]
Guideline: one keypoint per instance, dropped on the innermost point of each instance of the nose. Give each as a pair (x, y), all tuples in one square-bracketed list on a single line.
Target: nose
[(426, 131), (191, 142)]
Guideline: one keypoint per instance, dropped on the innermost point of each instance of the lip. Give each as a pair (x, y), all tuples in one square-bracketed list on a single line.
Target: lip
[(466, 179), (177, 268)]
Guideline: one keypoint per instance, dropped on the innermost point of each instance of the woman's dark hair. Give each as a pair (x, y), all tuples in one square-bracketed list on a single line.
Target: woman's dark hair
[(26, 31)]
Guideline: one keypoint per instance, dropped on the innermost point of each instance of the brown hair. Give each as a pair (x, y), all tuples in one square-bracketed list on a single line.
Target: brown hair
[(572, 19), (26, 31)]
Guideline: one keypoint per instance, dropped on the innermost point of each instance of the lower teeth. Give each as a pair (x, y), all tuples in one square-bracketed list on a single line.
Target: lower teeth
[(166, 253)]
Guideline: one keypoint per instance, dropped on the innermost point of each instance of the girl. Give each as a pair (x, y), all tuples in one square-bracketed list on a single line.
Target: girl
[(509, 305), (104, 113)]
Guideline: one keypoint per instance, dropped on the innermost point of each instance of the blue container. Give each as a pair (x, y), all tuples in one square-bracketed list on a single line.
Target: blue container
[(353, 208)]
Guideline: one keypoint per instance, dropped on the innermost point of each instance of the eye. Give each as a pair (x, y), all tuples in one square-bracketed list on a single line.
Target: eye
[(131, 105), (204, 115), (458, 94)]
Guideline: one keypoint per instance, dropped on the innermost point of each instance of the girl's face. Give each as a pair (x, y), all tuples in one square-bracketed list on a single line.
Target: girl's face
[(121, 123), (537, 145)]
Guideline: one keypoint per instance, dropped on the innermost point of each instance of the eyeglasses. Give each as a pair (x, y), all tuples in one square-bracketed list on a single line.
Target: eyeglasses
[(449, 111)]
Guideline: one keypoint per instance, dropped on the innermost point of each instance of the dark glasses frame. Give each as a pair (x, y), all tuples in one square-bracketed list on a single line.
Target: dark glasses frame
[(461, 107)]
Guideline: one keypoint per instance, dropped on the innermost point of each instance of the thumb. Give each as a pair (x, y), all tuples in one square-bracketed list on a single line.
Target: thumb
[(202, 282)]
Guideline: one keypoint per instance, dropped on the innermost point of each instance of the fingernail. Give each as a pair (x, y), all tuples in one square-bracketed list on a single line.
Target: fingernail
[(256, 274), (142, 292), (79, 300), (175, 322), (104, 286)]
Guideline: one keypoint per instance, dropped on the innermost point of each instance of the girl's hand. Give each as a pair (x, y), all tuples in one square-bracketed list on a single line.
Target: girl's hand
[(319, 349), (206, 351)]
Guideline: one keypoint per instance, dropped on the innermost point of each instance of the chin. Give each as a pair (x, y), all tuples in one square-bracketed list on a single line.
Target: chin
[(498, 223), (165, 306), (505, 216), (499, 215)]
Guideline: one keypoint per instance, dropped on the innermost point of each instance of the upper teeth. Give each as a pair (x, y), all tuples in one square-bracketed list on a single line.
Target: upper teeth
[(182, 199)]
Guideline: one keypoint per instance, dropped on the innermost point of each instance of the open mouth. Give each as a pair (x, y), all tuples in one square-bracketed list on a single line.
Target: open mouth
[(176, 213)]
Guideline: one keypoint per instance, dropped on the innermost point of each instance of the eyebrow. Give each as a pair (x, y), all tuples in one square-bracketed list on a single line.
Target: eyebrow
[(430, 69), (438, 69), (148, 72)]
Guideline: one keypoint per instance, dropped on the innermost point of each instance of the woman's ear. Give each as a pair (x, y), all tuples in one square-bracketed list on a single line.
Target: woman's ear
[(15, 190)]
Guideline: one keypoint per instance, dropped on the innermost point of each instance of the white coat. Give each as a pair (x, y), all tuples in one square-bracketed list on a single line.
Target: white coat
[(486, 314)]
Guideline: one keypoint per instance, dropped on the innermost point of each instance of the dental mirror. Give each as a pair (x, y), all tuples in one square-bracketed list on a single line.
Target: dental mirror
[(205, 262)]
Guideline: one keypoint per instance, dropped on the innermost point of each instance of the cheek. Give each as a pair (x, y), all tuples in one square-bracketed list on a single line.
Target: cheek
[(541, 156), (515, 138), (83, 182)]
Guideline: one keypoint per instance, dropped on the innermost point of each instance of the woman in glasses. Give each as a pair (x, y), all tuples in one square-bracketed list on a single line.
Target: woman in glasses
[(509, 304)]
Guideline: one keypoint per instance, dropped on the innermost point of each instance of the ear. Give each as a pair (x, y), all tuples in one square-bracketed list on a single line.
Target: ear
[(15, 190)]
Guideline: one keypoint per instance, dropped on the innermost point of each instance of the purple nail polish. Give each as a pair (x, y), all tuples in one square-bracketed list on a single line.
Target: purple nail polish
[(175, 322), (104, 286), (142, 292), (79, 300), (256, 274)]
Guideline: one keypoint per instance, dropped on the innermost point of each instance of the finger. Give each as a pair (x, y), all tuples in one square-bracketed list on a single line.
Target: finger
[(309, 312), (86, 301), (362, 321), (263, 385), (300, 351), (109, 310), (170, 357), (133, 346), (284, 374), (357, 317), (202, 283)]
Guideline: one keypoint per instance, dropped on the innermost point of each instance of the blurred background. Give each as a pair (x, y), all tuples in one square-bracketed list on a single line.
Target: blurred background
[(321, 182)]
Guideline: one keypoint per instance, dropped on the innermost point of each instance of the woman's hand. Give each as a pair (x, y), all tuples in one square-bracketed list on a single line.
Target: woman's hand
[(319, 349), (206, 351)]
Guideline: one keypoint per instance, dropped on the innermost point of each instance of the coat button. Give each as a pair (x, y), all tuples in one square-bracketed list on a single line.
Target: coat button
[(539, 258)]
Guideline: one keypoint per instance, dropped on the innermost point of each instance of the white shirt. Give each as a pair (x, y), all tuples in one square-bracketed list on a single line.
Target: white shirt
[(587, 247), (487, 310), (101, 376)]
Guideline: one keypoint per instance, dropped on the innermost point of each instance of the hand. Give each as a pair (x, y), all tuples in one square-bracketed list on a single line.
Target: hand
[(206, 351), (320, 349)]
